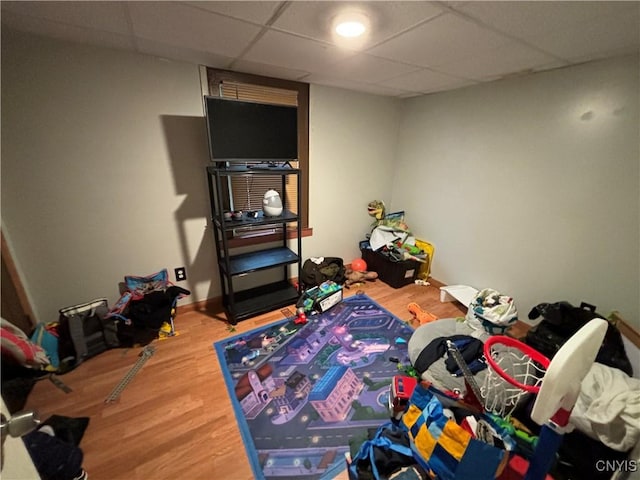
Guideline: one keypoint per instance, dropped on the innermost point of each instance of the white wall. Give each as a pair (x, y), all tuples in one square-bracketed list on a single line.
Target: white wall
[(531, 185), (352, 144), (103, 157)]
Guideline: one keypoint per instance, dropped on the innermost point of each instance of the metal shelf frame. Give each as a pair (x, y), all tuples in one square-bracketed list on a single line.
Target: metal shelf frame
[(243, 304)]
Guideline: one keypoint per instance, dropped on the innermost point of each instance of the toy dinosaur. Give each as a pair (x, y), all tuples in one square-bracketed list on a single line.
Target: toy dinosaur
[(422, 316), (376, 210), (352, 277)]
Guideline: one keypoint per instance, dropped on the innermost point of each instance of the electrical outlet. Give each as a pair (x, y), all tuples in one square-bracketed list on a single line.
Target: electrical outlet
[(181, 274)]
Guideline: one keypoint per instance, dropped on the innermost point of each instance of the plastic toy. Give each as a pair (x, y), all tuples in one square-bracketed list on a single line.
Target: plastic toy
[(408, 370), (301, 317), (516, 428), (411, 249), (355, 276), (420, 315), (252, 355), (320, 298), (376, 210), (359, 265), (400, 392)]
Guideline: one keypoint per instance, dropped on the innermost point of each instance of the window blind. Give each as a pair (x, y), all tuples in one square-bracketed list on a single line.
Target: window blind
[(255, 93)]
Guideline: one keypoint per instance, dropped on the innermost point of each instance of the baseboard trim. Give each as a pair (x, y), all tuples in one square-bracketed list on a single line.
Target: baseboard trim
[(436, 283), (210, 305)]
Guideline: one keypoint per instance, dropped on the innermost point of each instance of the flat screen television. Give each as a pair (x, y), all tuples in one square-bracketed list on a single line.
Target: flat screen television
[(243, 131)]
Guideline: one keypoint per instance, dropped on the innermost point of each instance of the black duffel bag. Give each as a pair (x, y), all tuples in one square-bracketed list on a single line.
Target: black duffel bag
[(315, 273), (560, 320)]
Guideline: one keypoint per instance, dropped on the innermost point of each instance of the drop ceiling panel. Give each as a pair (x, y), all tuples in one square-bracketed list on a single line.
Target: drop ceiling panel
[(443, 40), (77, 34), (258, 12), (189, 27), (425, 81), (505, 59), (199, 57), (104, 16), (368, 69), (314, 19), (267, 70), (289, 51), (332, 81), (450, 43), (537, 19)]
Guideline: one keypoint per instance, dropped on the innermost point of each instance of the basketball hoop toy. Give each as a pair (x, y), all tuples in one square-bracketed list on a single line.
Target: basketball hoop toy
[(514, 372)]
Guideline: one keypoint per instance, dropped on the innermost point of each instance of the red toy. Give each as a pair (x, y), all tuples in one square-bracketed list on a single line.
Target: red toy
[(359, 265), (301, 318), (400, 392)]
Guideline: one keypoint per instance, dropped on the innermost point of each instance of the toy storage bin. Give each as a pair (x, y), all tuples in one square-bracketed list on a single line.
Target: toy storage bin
[(394, 274)]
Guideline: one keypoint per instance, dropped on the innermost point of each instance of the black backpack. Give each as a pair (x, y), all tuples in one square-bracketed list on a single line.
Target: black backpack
[(561, 320), (313, 274)]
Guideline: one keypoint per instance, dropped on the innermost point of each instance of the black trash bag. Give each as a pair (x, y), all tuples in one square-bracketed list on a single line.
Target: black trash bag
[(154, 308), (580, 456), (560, 320), (147, 316)]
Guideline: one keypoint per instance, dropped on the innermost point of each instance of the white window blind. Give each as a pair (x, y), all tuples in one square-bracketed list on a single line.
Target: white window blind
[(255, 93)]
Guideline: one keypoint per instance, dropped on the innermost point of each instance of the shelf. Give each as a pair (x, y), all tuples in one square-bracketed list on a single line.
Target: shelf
[(227, 225), (244, 170), (248, 303), (278, 256), (259, 260)]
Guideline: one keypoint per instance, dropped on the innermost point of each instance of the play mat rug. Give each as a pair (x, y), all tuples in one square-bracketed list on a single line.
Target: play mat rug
[(304, 394)]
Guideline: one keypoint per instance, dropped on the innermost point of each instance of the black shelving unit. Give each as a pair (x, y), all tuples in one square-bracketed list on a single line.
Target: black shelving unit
[(242, 304)]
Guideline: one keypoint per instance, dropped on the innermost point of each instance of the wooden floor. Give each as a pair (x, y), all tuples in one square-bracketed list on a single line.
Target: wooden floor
[(174, 420)]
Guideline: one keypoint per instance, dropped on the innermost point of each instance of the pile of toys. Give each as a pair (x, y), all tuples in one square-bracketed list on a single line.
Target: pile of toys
[(318, 299), (391, 235)]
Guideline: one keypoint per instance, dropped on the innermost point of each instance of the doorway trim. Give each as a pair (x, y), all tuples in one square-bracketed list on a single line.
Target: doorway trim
[(23, 299)]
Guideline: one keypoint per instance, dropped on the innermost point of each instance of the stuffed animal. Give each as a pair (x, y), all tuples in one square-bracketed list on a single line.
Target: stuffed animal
[(353, 277)]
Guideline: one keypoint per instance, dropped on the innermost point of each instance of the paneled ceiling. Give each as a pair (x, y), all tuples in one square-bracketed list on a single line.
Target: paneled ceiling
[(411, 48)]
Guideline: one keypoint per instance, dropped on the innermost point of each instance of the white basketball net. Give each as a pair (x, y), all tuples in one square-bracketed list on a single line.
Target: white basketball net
[(501, 397)]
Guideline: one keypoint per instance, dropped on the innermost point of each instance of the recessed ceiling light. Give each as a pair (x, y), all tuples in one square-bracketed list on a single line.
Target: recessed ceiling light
[(351, 24), (350, 29)]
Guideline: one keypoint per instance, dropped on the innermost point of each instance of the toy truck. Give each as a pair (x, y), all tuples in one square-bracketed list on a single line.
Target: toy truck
[(400, 391)]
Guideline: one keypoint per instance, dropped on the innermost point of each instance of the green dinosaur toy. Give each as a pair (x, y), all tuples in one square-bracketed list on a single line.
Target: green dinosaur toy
[(376, 210)]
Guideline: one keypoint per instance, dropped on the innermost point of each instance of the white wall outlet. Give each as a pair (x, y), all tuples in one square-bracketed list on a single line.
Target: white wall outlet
[(181, 274)]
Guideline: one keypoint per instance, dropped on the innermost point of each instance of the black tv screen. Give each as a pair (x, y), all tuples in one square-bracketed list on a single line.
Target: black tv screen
[(248, 131)]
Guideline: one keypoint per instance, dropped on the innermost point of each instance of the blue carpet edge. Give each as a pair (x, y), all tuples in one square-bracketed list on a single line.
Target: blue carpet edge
[(247, 440)]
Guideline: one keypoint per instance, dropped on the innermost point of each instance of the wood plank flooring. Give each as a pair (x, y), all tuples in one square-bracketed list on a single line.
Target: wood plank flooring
[(175, 420)]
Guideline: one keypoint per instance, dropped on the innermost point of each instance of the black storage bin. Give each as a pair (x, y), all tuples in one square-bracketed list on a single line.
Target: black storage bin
[(394, 274)]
